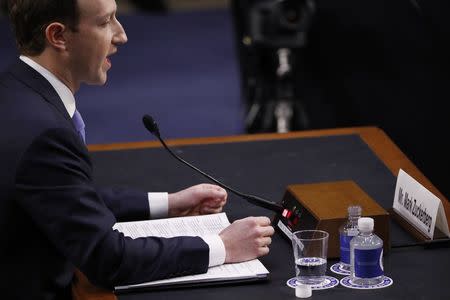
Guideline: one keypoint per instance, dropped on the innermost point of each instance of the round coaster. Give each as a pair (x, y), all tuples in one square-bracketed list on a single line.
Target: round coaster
[(338, 268), (328, 283), (347, 282)]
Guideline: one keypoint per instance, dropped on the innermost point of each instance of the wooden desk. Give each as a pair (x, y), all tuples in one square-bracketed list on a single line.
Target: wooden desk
[(375, 138)]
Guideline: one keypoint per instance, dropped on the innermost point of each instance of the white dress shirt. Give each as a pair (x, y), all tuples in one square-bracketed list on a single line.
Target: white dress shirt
[(158, 202)]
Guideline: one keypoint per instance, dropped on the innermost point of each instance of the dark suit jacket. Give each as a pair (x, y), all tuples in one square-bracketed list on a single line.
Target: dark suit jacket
[(52, 217)]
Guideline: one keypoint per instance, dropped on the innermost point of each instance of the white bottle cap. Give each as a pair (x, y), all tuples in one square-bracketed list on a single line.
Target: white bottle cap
[(303, 291), (365, 224), (354, 210)]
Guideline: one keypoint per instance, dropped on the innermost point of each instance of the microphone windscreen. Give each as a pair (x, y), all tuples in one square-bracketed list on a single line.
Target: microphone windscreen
[(150, 124)]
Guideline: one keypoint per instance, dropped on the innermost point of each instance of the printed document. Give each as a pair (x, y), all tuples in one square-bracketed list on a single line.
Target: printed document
[(192, 226)]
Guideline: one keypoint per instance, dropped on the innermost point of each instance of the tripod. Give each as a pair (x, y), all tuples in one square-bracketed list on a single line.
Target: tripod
[(273, 40)]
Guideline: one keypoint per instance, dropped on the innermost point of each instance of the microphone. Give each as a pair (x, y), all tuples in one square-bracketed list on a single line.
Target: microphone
[(151, 126)]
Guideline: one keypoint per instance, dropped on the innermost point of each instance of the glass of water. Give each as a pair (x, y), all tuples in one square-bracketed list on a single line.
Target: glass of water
[(310, 255)]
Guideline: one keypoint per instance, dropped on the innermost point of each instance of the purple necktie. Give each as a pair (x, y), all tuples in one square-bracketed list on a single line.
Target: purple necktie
[(79, 125)]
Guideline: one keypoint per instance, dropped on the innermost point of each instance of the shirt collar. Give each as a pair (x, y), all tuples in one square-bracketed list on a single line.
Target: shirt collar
[(61, 89)]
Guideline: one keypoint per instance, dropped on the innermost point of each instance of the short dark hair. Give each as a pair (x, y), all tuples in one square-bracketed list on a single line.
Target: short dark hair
[(29, 18)]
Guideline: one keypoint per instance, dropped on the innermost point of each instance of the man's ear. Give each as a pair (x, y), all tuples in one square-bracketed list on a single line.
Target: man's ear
[(55, 35)]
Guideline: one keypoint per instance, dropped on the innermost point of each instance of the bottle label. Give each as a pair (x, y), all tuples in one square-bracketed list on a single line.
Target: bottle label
[(368, 263), (345, 248)]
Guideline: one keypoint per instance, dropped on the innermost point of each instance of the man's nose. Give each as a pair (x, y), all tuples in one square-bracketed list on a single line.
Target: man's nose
[(120, 37)]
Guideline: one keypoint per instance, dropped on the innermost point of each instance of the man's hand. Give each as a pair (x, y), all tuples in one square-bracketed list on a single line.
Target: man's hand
[(247, 239), (197, 200)]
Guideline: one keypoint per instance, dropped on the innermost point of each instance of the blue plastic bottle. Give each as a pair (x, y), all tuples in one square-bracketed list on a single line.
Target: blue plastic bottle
[(347, 232), (366, 255)]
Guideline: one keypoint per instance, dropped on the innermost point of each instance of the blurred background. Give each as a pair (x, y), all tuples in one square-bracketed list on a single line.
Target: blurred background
[(226, 67)]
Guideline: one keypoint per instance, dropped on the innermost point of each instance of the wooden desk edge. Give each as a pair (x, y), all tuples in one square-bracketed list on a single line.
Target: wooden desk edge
[(374, 137), (378, 141), (82, 289)]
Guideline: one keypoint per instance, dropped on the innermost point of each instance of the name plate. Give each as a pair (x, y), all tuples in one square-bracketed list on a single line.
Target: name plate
[(419, 206)]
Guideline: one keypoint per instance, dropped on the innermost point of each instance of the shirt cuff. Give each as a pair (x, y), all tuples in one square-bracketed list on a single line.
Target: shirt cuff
[(158, 204), (216, 250)]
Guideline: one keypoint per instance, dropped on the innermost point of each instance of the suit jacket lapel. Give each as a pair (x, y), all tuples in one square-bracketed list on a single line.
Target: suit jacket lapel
[(30, 77)]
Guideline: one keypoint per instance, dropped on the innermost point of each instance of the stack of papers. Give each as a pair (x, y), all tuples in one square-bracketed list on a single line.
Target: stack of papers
[(192, 226)]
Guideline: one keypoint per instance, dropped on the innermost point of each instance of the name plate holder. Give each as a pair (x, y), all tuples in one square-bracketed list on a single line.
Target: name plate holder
[(419, 211), (323, 206)]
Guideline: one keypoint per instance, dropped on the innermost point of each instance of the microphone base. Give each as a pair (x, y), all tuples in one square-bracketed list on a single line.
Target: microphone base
[(323, 206)]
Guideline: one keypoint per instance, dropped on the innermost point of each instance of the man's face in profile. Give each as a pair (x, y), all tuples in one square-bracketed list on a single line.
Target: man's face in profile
[(98, 36)]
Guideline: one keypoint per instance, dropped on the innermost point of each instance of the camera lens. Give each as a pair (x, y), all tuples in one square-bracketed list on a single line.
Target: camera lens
[(291, 12)]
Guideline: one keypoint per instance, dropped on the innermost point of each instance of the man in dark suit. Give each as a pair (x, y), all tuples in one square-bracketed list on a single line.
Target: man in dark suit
[(53, 217)]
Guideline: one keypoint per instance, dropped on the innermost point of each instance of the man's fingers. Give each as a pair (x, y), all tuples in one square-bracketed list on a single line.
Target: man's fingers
[(267, 231), (211, 210), (213, 191), (265, 241), (214, 203), (263, 251), (264, 221)]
